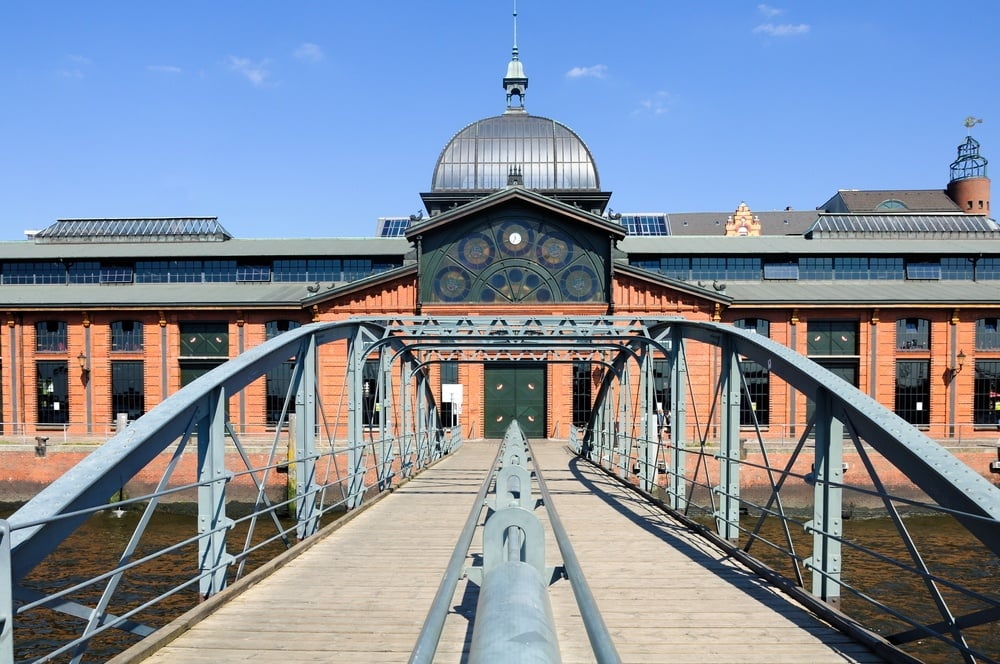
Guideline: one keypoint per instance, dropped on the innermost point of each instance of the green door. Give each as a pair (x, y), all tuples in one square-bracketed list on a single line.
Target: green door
[(515, 392)]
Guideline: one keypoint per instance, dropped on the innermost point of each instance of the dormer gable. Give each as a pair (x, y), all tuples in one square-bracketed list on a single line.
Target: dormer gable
[(515, 246)]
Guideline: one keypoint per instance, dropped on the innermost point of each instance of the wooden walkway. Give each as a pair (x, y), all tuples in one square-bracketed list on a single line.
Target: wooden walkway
[(361, 591)]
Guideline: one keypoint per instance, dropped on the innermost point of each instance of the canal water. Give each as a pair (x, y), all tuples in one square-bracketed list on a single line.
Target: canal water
[(95, 547), (947, 549)]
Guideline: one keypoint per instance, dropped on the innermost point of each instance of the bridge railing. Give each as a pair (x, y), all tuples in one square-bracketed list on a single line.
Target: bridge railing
[(513, 577), (65, 597), (186, 450), (802, 516)]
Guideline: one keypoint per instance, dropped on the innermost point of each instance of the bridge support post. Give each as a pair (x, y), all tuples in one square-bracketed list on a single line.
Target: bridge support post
[(385, 425), (406, 423), (677, 479), (213, 524), (827, 525), (604, 432), (356, 351), (727, 516), (624, 429), (650, 424), (6, 597), (305, 442), (423, 425)]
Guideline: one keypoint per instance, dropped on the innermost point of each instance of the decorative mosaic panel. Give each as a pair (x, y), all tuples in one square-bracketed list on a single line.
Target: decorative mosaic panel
[(515, 257)]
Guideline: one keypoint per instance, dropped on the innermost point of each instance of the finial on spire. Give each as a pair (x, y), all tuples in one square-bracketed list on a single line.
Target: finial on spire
[(516, 81), (514, 52), (969, 123)]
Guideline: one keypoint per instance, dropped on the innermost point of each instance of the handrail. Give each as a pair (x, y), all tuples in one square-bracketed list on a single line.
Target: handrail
[(430, 634), (597, 630), (513, 579)]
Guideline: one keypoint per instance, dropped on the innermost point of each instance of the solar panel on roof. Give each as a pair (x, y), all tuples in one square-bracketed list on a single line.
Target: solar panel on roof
[(645, 224), (392, 226)]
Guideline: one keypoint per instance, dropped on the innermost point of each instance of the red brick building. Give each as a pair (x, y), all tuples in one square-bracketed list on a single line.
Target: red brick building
[(896, 291)]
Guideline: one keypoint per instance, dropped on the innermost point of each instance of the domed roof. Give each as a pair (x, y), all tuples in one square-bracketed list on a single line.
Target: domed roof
[(546, 153)]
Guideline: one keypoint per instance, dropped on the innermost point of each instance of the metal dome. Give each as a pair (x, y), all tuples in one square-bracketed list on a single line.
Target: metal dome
[(549, 155)]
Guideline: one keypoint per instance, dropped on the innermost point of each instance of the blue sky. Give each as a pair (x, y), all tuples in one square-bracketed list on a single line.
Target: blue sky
[(312, 119)]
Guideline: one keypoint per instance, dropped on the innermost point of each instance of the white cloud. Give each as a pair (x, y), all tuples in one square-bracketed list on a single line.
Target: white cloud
[(77, 63), (658, 104), (164, 69), (255, 72), (596, 71), (784, 30), (768, 10), (309, 52), (778, 30)]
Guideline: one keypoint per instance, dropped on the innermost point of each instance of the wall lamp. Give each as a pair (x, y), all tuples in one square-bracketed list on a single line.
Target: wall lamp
[(84, 362), (959, 363)]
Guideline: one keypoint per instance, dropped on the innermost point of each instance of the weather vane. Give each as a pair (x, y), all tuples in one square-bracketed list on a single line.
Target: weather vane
[(971, 122)]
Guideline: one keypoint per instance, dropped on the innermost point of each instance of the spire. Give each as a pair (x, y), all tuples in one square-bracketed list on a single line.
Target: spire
[(516, 81)]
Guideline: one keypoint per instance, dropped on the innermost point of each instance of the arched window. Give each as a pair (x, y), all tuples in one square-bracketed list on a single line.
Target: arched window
[(127, 389), (913, 334), (755, 403), (50, 336), (986, 393), (273, 328), (913, 385), (986, 386), (278, 379), (988, 334), (891, 204), (913, 391), (52, 386), (126, 336)]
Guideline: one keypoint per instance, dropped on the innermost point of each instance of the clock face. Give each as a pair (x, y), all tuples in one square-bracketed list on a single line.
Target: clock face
[(515, 239)]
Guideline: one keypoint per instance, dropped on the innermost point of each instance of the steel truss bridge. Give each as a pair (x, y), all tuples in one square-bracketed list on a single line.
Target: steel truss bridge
[(696, 470)]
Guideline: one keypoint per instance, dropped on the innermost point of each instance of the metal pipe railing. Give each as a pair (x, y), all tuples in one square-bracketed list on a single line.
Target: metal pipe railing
[(514, 602), (513, 592), (430, 633), (597, 630), (513, 595)]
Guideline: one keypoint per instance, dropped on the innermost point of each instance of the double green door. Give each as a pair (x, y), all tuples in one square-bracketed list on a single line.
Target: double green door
[(515, 391)]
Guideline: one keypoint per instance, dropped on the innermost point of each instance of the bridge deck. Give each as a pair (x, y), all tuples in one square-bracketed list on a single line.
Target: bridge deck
[(360, 593)]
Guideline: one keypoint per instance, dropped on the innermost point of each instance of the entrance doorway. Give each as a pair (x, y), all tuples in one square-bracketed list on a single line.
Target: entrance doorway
[(515, 391)]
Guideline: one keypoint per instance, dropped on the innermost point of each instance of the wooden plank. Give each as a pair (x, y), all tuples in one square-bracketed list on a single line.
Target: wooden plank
[(666, 594), (362, 593)]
